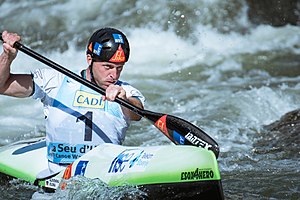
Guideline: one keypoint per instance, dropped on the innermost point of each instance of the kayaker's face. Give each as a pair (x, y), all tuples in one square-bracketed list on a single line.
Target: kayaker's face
[(106, 73)]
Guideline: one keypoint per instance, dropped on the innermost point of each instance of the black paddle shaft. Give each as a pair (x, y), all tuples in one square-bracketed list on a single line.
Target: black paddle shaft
[(176, 129)]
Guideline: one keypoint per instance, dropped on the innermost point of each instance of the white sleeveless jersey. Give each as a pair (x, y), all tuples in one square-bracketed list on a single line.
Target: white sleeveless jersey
[(77, 119)]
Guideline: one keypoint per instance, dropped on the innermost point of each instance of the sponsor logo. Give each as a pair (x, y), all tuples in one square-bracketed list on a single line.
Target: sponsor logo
[(61, 147), (81, 167), (52, 183), (119, 56), (178, 138), (197, 141), (118, 38), (68, 172), (130, 159), (67, 175), (88, 100), (60, 152), (97, 49), (198, 174), (162, 125)]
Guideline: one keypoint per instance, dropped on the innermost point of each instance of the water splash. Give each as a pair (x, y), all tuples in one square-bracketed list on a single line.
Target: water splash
[(80, 187)]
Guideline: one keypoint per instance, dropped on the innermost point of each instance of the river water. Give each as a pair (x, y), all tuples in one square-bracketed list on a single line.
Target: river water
[(199, 60)]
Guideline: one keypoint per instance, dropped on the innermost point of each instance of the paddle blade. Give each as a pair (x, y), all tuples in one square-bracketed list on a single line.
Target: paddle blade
[(182, 132)]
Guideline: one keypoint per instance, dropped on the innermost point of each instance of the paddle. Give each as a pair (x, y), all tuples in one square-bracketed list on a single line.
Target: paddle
[(176, 129)]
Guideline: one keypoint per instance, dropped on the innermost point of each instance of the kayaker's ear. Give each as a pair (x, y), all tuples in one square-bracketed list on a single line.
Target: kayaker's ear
[(89, 59)]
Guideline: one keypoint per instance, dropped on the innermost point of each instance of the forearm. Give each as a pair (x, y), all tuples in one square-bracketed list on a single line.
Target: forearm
[(133, 116), (17, 85), (5, 62), (6, 58)]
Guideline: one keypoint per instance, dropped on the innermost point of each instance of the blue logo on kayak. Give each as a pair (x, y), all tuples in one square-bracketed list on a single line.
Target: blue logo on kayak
[(80, 168), (130, 159)]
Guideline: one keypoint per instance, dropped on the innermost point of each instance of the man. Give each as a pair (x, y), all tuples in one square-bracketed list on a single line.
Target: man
[(77, 118)]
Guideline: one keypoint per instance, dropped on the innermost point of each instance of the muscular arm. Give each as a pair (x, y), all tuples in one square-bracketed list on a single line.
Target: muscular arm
[(17, 85), (131, 114)]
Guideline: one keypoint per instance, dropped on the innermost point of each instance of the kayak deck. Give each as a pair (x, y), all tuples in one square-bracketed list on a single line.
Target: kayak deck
[(157, 170)]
